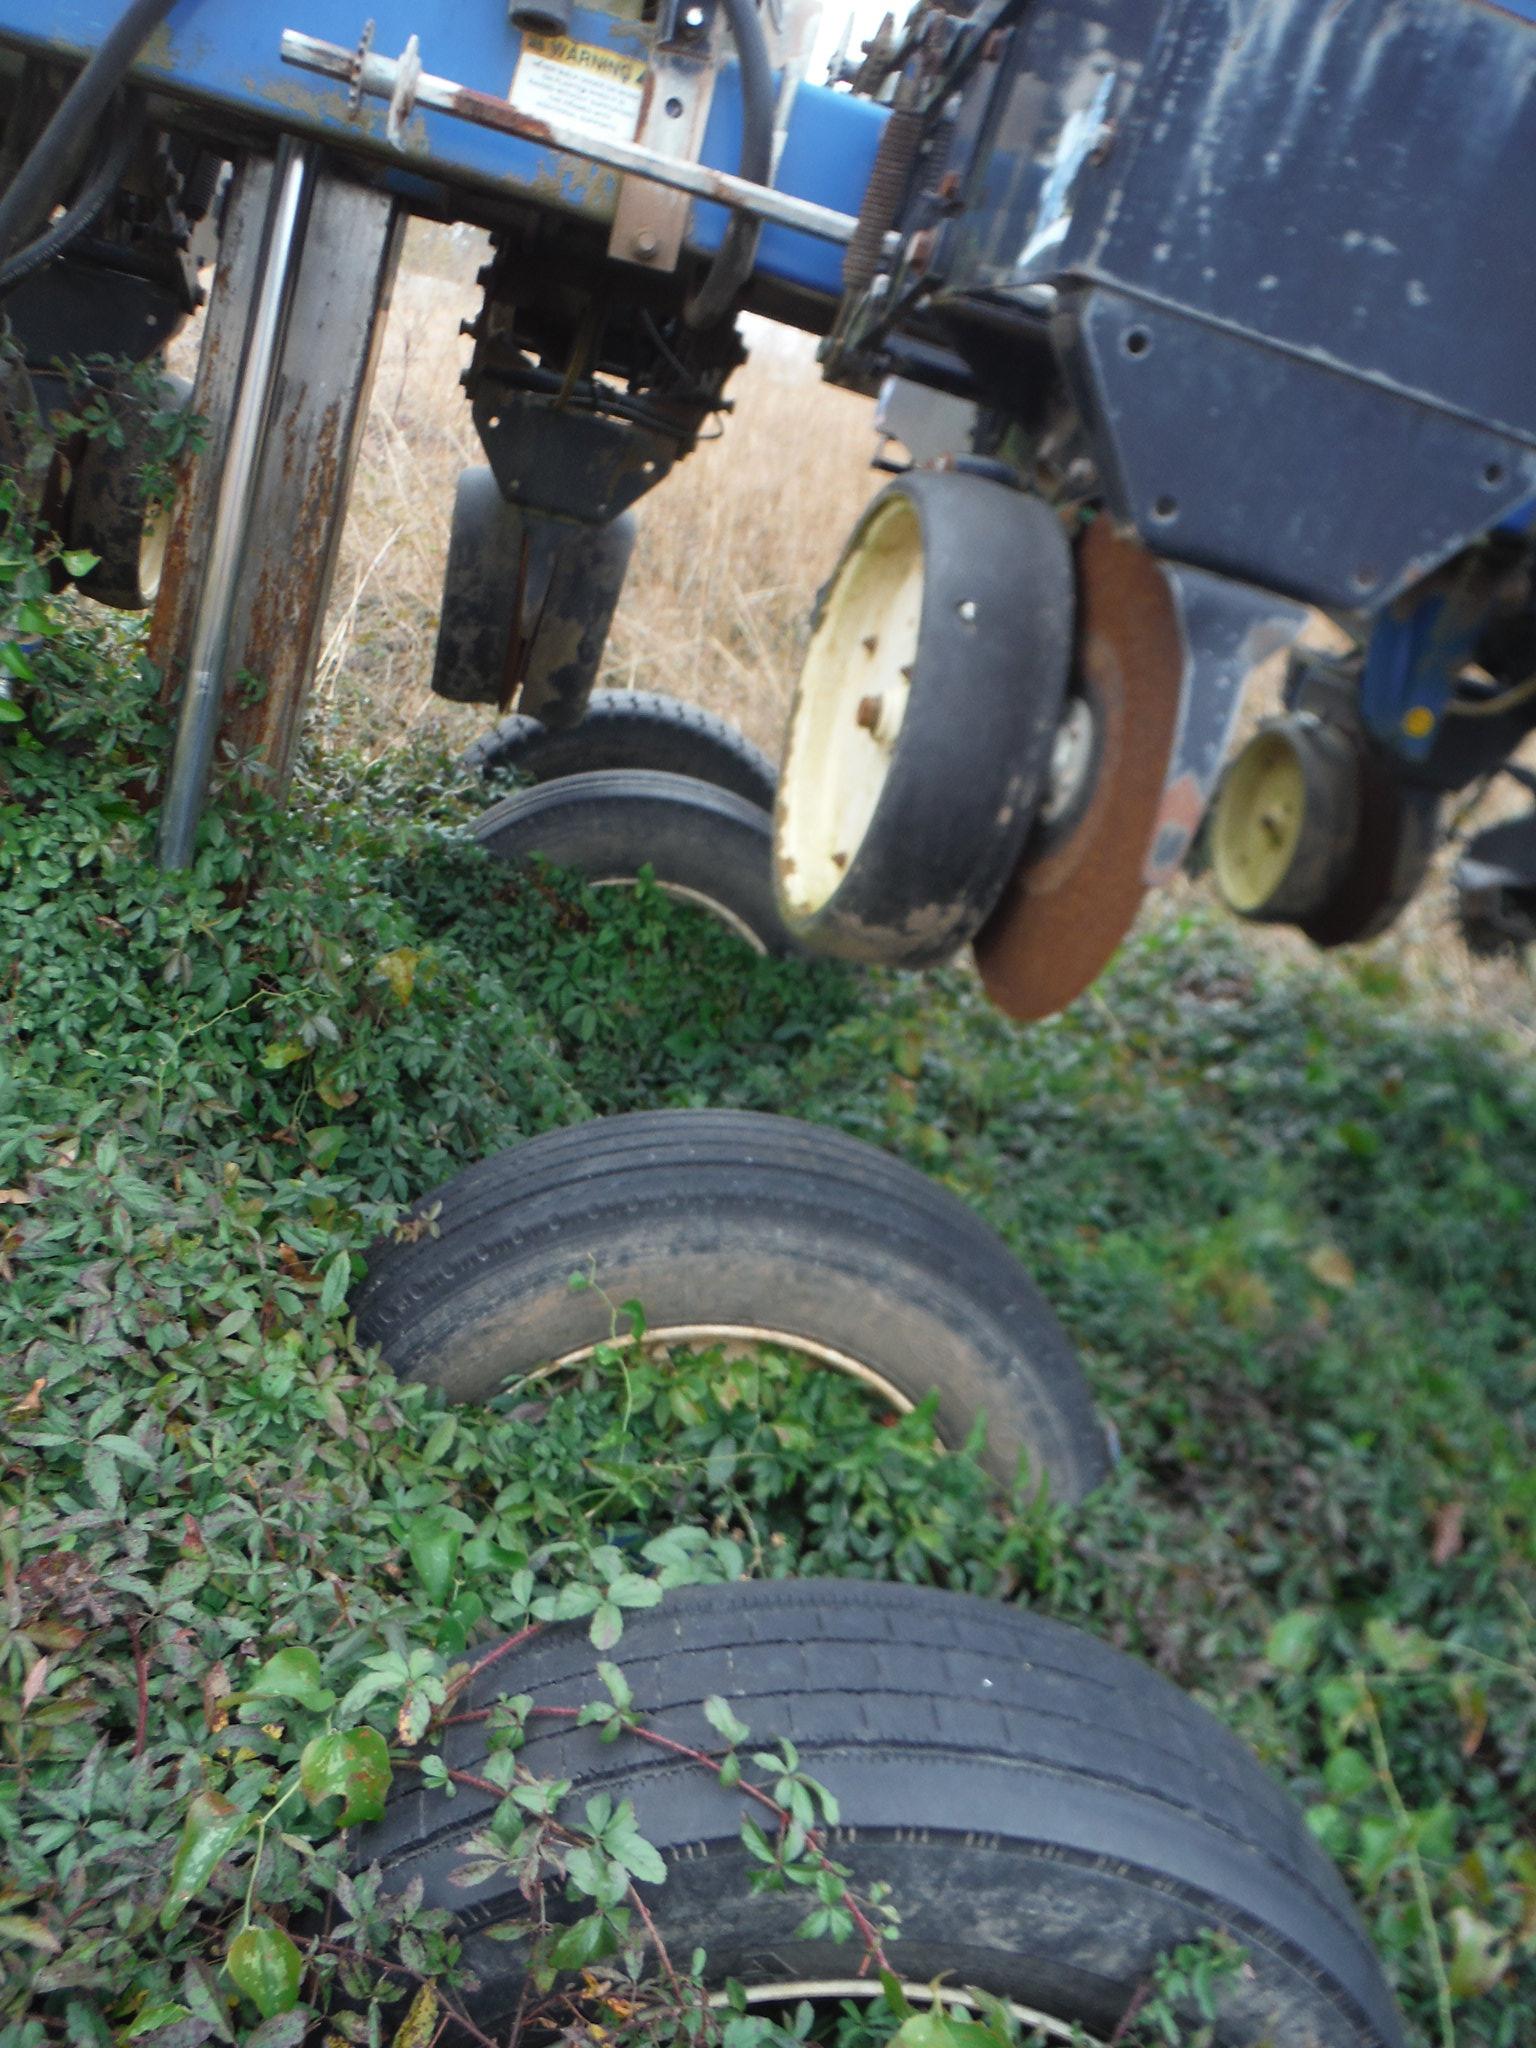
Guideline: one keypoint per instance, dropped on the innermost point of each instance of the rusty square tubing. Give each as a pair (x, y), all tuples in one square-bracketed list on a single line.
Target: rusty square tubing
[(203, 694), (386, 78)]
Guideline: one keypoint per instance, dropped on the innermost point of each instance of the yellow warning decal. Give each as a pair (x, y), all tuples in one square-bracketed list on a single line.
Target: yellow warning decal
[(581, 83)]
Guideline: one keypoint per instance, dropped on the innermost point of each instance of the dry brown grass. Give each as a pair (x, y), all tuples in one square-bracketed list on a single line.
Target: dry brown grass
[(732, 546), (732, 549)]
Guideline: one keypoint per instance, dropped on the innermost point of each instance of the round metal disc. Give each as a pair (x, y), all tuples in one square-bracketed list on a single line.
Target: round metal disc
[(1080, 882)]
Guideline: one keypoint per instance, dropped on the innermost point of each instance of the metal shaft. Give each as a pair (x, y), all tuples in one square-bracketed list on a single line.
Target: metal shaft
[(406, 88), (202, 699)]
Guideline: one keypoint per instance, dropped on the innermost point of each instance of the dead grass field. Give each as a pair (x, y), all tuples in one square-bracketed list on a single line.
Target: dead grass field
[(732, 549), (732, 546)]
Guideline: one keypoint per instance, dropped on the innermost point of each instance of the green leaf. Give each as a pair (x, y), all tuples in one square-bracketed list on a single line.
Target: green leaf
[(433, 1548), (725, 1723), (286, 1052), (353, 1767), (293, 1674), (607, 1625), (31, 1933), (213, 1827), (324, 1144), (586, 1942), (630, 1590), (79, 561), (1479, 1958), (338, 1278), (264, 1963), (637, 1855), (286, 2030), (1293, 1641), (11, 712)]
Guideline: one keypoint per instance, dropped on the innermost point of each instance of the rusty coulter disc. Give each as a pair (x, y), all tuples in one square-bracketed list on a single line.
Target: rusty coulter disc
[(1079, 882)]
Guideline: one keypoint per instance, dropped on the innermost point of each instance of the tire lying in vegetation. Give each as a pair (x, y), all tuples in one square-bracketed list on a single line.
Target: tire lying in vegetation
[(1052, 1818), (705, 846), (630, 729), (729, 1226)]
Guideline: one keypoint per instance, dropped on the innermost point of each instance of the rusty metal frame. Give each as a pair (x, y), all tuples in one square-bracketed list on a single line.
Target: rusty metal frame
[(269, 598)]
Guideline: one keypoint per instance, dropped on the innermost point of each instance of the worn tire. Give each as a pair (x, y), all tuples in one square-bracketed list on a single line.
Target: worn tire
[(630, 729), (1051, 1816), (726, 1219), (512, 571), (705, 846), (924, 719)]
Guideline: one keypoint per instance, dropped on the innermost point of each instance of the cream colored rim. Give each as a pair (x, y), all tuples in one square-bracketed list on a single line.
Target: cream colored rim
[(1258, 821), (698, 901), (821, 1988), (697, 1335), (850, 705), (154, 539)]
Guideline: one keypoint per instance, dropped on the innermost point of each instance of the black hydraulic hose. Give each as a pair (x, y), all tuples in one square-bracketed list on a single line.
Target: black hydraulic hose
[(734, 258), (33, 190), (94, 194)]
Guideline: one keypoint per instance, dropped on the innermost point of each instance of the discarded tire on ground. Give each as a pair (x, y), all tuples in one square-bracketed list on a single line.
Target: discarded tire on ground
[(704, 846), (730, 1226), (1051, 1816), (629, 729)]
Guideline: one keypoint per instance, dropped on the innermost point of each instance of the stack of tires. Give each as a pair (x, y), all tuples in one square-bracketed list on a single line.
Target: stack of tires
[(1051, 1818)]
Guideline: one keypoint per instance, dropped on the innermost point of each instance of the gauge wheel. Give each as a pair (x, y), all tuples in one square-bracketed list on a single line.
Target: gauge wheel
[(527, 603), (704, 846), (110, 515), (1051, 1816), (629, 729), (732, 1227), (924, 720)]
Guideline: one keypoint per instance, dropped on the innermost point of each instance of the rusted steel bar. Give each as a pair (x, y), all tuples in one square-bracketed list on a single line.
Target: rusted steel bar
[(399, 81)]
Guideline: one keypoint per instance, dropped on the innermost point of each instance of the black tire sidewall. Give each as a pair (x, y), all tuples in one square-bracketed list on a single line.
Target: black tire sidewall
[(630, 729), (701, 843)]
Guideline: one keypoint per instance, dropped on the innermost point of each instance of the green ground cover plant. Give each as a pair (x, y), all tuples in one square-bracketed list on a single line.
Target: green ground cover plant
[(1286, 1215)]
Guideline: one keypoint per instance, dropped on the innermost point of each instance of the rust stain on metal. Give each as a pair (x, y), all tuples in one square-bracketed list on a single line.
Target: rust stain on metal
[(1074, 894)]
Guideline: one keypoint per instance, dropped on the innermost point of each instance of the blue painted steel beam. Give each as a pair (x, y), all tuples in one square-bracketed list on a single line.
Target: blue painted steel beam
[(222, 57)]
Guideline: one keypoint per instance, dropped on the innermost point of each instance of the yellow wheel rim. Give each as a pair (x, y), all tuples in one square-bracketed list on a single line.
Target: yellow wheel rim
[(1257, 822)]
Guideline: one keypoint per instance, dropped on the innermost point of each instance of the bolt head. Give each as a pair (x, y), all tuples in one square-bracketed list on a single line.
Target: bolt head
[(646, 244)]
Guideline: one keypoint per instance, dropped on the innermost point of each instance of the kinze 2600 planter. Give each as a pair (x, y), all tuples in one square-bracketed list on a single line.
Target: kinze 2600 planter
[(1192, 317)]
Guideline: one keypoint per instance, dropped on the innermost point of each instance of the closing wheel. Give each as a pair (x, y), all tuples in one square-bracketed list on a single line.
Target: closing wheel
[(923, 721), (1082, 874), (1052, 1817), (1313, 827), (629, 729), (733, 1227), (704, 846), (1285, 820), (110, 515), (527, 603)]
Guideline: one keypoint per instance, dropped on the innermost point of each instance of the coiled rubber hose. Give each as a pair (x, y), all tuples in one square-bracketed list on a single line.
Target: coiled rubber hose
[(36, 184), (102, 182)]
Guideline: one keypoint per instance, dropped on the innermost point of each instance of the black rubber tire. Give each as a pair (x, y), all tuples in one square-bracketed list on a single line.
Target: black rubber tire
[(630, 729), (569, 575), (1051, 1816), (703, 845), (727, 1217), (107, 511), (899, 860)]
